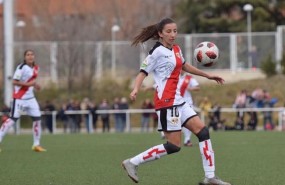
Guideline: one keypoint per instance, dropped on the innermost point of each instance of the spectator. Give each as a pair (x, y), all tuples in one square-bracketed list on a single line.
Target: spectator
[(78, 117), (283, 119), (240, 102), (253, 121), (115, 106), (71, 117), (155, 121), (105, 116), (215, 118), (63, 117), (239, 125), (49, 107), (123, 116), (94, 115), (205, 107), (145, 120), (258, 96), (86, 105), (267, 115)]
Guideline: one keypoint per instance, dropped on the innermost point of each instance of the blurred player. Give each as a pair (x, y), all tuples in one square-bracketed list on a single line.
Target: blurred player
[(187, 84), (24, 81), (165, 61)]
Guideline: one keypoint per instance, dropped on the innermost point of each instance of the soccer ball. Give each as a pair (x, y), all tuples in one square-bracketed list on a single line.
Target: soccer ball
[(206, 53)]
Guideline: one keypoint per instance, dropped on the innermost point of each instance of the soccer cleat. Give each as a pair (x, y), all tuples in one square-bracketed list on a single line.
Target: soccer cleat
[(213, 181), (131, 170), (38, 149), (189, 143)]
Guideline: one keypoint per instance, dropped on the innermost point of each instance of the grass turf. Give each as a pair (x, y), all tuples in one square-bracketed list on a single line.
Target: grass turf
[(242, 158)]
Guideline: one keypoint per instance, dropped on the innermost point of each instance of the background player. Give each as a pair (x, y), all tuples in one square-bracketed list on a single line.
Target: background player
[(24, 81), (187, 83)]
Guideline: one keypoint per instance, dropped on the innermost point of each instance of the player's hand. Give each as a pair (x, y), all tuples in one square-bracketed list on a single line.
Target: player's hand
[(133, 95), (37, 87), (218, 79)]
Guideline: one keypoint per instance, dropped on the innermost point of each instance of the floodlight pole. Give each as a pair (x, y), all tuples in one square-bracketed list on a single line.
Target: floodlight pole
[(248, 9), (8, 50), (115, 28)]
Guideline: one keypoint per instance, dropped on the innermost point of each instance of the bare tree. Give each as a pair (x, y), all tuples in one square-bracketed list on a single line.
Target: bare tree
[(74, 23)]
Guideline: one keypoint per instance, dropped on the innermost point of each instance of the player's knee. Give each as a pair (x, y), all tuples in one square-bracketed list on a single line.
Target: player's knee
[(203, 135), (171, 148), (36, 118)]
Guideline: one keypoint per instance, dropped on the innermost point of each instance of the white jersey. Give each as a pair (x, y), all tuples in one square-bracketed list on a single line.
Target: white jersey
[(25, 73), (186, 81), (166, 65)]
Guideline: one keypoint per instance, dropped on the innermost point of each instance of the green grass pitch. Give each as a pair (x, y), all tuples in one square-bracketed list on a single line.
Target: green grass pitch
[(242, 158)]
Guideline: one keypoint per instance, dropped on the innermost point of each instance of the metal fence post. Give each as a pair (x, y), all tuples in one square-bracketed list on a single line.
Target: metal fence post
[(54, 121), (128, 121), (90, 122)]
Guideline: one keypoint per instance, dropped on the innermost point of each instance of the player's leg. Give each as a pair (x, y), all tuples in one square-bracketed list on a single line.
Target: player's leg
[(172, 133), (197, 126), (33, 110), (208, 158), (14, 115), (6, 125), (187, 137)]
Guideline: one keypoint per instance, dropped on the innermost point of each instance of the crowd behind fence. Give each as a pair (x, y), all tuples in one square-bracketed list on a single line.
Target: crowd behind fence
[(131, 126)]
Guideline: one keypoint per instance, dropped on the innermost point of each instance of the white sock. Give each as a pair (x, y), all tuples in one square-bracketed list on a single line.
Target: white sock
[(37, 131), (187, 134), (8, 123), (208, 158), (149, 155)]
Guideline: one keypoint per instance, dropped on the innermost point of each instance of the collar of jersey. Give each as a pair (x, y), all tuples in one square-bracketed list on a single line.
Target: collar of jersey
[(160, 44)]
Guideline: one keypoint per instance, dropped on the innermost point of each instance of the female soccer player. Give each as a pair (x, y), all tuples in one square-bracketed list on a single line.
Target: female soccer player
[(24, 81), (165, 61)]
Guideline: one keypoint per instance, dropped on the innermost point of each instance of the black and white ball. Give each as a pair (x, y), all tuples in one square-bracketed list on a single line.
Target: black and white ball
[(206, 53)]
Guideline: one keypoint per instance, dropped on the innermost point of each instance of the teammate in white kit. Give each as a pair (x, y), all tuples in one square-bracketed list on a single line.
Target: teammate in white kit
[(187, 83), (165, 61), (24, 81)]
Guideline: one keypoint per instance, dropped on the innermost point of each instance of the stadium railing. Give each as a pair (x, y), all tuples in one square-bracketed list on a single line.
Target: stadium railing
[(280, 111)]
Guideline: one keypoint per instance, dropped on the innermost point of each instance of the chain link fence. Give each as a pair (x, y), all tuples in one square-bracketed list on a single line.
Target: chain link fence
[(68, 62)]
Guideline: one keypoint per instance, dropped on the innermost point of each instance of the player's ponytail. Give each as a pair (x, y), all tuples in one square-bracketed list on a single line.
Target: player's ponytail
[(151, 32)]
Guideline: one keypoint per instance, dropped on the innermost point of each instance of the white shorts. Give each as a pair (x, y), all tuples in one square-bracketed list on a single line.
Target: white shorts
[(173, 119), (30, 106)]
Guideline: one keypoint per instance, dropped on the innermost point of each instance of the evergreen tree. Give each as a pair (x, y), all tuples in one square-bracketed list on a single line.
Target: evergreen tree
[(204, 16)]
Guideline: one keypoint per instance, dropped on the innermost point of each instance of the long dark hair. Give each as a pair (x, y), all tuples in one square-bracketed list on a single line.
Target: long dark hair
[(151, 31)]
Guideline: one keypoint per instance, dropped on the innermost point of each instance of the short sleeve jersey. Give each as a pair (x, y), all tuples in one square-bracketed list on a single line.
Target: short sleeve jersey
[(24, 73), (166, 65), (185, 82)]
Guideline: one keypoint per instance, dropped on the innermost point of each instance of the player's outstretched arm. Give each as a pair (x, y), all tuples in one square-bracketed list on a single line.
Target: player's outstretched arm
[(193, 70)]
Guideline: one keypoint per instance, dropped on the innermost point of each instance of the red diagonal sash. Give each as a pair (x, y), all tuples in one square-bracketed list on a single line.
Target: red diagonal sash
[(24, 89), (185, 84), (169, 91)]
